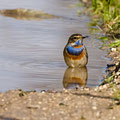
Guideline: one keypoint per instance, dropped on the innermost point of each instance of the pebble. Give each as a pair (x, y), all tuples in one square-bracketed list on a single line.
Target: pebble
[(116, 102), (2, 100), (98, 114), (39, 102), (87, 89), (118, 77), (6, 109), (42, 91), (117, 63), (44, 108), (96, 89), (82, 88), (91, 97), (118, 73), (94, 107), (114, 117), (101, 87), (65, 90), (53, 114), (113, 49), (106, 86), (117, 81), (84, 1)]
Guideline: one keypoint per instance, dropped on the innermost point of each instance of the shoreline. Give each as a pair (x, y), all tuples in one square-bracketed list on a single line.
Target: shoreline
[(61, 105)]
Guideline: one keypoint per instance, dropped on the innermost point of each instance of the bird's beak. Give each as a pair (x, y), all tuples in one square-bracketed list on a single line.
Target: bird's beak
[(85, 37)]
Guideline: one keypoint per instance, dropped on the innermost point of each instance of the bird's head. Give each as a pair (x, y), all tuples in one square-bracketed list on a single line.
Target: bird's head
[(76, 39)]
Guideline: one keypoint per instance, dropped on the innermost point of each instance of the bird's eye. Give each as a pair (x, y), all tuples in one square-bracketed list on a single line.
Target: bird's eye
[(74, 37)]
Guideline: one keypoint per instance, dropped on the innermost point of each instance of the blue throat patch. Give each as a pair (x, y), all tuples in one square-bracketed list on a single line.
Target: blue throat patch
[(78, 42), (75, 51)]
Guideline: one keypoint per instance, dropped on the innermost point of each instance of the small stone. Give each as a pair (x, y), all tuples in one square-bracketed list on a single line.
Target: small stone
[(117, 63), (91, 97), (52, 114), (101, 87), (44, 108), (105, 86), (117, 81), (39, 102), (65, 90), (87, 89), (119, 77), (96, 89), (118, 73), (115, 76), (98, 114), (84, 1), (42, 91), (94, 107), (2, 100), (113, 49), (81, 88), (117, 102), (6, 109), (114, 117)]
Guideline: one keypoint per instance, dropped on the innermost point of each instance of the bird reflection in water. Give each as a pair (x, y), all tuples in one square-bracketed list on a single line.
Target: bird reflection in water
[(74, 77)]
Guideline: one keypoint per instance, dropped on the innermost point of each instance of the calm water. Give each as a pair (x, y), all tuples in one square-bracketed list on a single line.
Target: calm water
[(31, 51)]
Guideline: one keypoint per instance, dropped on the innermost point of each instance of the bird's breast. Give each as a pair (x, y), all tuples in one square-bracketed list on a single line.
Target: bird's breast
[(76, 52)]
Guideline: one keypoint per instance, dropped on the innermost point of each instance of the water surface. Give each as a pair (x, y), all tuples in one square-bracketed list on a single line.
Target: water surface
[(31, 51)]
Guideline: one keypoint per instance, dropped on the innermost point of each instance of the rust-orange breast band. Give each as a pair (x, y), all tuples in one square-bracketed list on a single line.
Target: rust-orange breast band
[(74, 57)]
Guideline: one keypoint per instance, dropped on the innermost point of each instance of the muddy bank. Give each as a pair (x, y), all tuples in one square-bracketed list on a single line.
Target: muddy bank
[(26, 14), (113, 69), (110, 36), (80, 104)]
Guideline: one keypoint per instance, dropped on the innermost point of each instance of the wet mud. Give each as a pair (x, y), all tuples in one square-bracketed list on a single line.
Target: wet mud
[(78, 104), (26, 14)]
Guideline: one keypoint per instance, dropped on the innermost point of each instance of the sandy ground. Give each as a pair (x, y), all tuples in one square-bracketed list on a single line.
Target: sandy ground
[(80, 104)]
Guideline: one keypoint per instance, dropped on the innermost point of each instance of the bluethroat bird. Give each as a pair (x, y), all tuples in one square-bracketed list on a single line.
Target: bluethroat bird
[(75, 53)]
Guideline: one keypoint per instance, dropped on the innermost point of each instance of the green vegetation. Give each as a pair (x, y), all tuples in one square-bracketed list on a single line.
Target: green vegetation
[(109, 12), (115, 44), (82, 117), (115, 89), (108, 79), (106, 18), (116, 93), (117, 96)]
